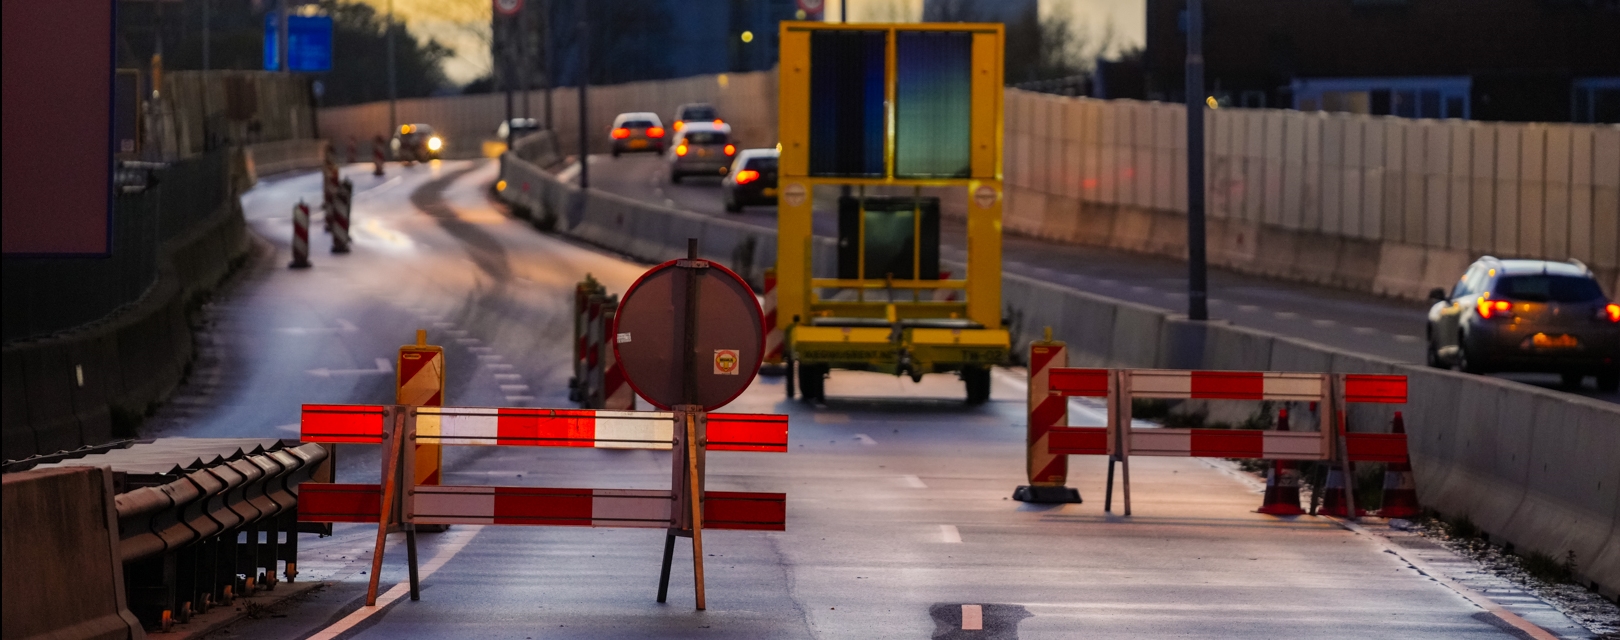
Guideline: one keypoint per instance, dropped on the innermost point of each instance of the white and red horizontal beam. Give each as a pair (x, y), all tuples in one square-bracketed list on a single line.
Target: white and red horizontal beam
[(1230, 443), (1228, 385), (538, 506), (602, 429)]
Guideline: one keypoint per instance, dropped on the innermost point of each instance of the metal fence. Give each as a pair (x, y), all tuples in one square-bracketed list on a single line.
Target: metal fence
[(45, 295)]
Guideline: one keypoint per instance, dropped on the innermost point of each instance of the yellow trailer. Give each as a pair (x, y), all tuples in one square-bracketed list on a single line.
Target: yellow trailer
[(884, 111)]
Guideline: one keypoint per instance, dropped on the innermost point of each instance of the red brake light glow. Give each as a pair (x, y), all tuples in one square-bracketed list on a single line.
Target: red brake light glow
[(621, 133), (681, 150), (731, 149), (1488, 307), (1613, 311), (655, 132), (749, 175), (718, 122)]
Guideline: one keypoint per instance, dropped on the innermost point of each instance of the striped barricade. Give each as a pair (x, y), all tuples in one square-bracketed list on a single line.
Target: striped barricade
[(687, 435), (1121, 386)]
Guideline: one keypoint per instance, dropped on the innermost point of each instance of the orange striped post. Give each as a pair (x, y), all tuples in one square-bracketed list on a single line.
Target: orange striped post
[(420, 383), (773, 332), (1047, 410)]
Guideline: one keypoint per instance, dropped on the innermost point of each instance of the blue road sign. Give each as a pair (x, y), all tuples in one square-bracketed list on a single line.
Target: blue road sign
[(309, 43)]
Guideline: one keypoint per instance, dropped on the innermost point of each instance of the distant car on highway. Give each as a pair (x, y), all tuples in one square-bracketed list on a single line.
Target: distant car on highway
[(639, 131), (695, 112), (1527, 315), (701, 149), (751, 180), (517, 127), (417, 142)]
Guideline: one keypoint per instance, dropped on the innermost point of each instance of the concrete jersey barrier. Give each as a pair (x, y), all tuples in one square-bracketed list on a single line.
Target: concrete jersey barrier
[(1532, 467)]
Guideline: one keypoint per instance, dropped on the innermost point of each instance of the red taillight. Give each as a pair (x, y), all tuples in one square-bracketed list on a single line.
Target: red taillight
[(749, 175), (718, 122), (1612, 311), (1489, 308), (679, 124), (655, 132), (621, 133), (731, 149), (681, 150)]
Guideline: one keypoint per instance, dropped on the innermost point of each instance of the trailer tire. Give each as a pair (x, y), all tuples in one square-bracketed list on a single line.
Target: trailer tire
[(977, 381), (813, 382)]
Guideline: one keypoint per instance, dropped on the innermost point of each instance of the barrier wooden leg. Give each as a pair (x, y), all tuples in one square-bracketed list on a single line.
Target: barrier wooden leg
[(1125, 474), (695, 482), (663, 576), (410, 554), (391, 461), (1108, 496)]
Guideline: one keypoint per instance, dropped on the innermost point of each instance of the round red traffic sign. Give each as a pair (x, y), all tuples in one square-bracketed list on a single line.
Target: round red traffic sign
[(650, 337), (812, 6), (508, 7)]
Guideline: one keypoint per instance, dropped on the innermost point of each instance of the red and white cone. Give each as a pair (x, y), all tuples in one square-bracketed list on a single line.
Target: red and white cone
[(616, 391), (1334, 502), (377, 145), (341, 203), (300, 243), (1282, 482), (1400, 491)]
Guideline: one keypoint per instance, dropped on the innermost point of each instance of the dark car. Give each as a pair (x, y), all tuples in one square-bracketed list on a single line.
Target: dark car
[(752, 180), (637, 132), (417, 142), (1527, 315)]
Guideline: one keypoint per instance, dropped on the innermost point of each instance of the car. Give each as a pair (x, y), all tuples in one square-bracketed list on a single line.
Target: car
[(417, 142), (638, 131), (695, 112), (751, 180), (701, 148), (517, 127), (1527, 316)]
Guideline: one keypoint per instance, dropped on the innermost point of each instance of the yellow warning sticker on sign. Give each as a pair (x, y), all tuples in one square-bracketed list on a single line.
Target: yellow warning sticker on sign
[(726, 362)]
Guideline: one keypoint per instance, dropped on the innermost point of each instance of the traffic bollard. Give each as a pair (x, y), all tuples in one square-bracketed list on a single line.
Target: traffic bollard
[(300, 244)]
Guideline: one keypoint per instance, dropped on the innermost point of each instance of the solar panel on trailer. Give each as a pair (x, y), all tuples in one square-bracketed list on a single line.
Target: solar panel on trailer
[(846, 103), (933, 104)]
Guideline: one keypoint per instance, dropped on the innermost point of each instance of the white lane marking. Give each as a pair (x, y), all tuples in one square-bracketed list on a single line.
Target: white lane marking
[(489, 358), (383, 366), (455, 333), (514, 387), (832, 418), (468, 340), (1141, 289), (481, 349), (972, 617), (464, 535), (508, 376), (1248, 307), (913, 482), (1471, 595), (497, 366), (1323, 323), (1286, 315), (949, 534), (519, 398), (441, 324), (1365, 330), (344, 326), (1406, 338), (865, 439)]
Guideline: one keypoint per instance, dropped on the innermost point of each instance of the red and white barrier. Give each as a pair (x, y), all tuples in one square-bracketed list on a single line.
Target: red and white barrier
[(591, 394), (685, 509), (342, 202), (1330, 441), (773, 333), (1047, 471), (616, 390), (377, 157), (300, 242)]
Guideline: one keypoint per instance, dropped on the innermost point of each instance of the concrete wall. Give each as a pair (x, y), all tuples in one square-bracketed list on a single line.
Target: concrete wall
[(1534, 468), (1382, 204), (63, 577), (746, 100)]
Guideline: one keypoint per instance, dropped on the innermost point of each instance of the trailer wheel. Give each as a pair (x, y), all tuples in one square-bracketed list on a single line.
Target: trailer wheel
[(977, 381), (788, 366), (813, 382)]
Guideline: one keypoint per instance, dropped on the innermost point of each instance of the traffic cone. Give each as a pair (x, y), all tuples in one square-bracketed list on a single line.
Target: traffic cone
[(1282, 482), (1333, 499), (1400, 492)]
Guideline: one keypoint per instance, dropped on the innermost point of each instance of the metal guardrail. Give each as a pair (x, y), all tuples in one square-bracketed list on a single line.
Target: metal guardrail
[(203, 520)]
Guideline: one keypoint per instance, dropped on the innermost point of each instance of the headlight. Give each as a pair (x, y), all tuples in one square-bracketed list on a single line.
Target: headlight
[(434, 143)]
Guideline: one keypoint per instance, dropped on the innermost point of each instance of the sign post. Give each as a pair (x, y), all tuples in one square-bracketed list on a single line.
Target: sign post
[(686, 333)]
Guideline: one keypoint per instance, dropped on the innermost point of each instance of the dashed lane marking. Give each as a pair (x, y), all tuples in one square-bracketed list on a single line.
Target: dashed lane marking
[(949, 534), (865, 439), (972, 617), (913, 482)]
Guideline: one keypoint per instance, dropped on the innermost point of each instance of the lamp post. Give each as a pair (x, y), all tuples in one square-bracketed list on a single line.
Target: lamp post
[(1197, 276)]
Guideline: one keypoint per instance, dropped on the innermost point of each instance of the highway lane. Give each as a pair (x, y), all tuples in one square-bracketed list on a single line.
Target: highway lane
[(899, 522), (1361, 323)]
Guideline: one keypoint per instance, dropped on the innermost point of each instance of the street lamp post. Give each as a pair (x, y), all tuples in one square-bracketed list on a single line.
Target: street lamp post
[(1197, 276), (393, 84)]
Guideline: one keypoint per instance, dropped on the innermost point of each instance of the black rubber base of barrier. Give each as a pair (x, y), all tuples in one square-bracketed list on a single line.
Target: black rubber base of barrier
[(1047, 495)]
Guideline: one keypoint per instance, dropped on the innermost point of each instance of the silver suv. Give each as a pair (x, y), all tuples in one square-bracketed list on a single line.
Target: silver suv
[(1527, 315)]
